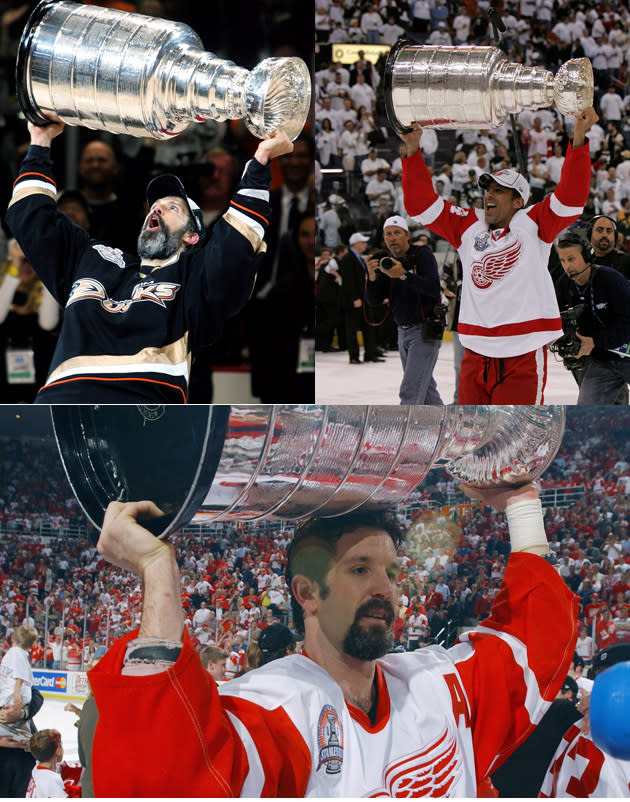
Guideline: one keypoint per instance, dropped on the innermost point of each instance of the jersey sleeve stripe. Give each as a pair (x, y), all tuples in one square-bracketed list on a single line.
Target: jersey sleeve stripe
[(249, 228), (127, 379), (431, 213), (561, 210), (261, 194), (255, 780), (249, 211), (47, 179), (30, 188), (535, 705)]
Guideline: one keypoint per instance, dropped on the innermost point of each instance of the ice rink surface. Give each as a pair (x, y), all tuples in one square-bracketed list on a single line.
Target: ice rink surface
[(52, 716), (339, 382)]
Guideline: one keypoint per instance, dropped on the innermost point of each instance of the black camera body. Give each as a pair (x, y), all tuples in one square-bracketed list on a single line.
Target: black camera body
[(434, 324), (569, 344)]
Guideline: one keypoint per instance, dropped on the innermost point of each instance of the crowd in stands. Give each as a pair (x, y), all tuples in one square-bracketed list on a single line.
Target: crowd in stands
[(233, 579), (103, 191), (358, 157)]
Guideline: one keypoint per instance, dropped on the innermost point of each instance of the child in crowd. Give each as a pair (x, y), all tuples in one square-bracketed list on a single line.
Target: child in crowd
[(16, 678), (46, 782)]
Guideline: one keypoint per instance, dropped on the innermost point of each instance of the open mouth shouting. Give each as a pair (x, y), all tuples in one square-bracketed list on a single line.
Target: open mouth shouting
[(154, 222)]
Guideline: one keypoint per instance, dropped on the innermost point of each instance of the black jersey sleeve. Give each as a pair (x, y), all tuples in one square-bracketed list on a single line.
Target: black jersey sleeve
[(51, 242), (221, 276)]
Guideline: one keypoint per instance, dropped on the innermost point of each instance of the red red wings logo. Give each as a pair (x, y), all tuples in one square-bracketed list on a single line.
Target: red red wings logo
[(432, 772), (496, 265)]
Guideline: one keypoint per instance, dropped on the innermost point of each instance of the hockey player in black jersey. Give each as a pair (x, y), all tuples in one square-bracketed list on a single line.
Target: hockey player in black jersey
[(132, 321)]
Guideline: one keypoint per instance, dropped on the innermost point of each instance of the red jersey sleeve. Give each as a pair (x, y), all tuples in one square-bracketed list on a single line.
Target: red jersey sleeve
[(170, 735), (513, 664), (566, 203)]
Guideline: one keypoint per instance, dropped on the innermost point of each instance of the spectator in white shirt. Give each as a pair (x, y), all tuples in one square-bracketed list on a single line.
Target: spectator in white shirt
[(372, 25), (611, 106), (362, 94), (391, 31), (554, 163), (371, 165), (379, 188), (440, 35)]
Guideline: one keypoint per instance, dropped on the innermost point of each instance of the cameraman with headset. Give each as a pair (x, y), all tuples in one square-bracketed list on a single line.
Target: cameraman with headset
[(603, 326), (409, 279)]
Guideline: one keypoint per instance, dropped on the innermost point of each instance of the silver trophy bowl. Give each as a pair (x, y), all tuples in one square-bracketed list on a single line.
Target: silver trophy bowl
[(222, 462), (475, 87), (131, 74)]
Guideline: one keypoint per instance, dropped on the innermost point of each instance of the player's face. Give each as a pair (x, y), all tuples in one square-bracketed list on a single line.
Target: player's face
[(163, 229), (603, 237), (573, 264), (357, 609), (500, 205)]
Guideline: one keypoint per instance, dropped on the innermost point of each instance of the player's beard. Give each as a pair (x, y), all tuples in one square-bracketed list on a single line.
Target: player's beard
[(159, 244), (369, 642)]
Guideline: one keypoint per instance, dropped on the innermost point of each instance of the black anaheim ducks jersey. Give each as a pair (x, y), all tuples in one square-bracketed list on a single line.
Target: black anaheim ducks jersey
[(128, 332)]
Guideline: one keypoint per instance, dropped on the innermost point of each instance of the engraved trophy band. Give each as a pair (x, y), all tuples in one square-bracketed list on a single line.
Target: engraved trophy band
[(127, 73), (218, 463)]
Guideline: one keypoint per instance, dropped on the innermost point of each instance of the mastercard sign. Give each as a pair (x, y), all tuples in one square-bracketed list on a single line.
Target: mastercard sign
[(50, 681)]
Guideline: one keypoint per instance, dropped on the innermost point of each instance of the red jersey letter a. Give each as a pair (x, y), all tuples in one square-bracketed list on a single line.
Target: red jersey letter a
[(460, 708)]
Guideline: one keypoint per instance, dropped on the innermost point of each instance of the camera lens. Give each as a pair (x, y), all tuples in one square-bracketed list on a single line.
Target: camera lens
[(386, 263)]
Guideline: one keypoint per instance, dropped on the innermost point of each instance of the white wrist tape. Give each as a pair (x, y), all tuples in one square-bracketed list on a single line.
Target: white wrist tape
[(525, 524)]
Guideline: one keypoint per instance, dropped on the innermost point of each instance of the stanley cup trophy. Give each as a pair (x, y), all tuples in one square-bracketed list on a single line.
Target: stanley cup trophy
[(132, 74), (475, 87), (255, 462)]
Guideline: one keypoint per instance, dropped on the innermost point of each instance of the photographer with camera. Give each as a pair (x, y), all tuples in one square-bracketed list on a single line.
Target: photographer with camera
[(599, 331), (409, 279)]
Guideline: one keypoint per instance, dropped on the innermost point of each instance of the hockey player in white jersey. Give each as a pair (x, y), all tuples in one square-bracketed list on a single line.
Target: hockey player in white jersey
[(345, 718)]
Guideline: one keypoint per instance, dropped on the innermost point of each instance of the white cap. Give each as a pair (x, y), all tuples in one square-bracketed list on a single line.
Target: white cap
[(396, 220), (358, 238), (507, 178), (335, 199)]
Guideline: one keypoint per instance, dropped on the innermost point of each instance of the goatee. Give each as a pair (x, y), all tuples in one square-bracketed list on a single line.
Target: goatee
[(159, 244), (370, 642)]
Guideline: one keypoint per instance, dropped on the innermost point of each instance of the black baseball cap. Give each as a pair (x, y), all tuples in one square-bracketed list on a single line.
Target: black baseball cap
[(618, 653), (276, 637), (165, 186), (570, 684)]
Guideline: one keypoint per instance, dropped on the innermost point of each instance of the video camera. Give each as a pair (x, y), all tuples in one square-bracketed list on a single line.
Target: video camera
[(569, 344), (434, 324)]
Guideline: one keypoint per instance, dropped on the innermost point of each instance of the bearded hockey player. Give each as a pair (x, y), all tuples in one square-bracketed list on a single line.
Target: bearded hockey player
[(345, 718), (131, 322), (508, 313)]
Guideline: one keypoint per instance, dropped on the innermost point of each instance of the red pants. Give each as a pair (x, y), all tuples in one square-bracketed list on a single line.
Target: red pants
[(503, 380)]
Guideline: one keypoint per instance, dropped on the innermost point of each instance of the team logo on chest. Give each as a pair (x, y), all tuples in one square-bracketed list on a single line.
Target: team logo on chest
[(495, 265), (114, 255), (158, 292), (434, 771), (330, 740)]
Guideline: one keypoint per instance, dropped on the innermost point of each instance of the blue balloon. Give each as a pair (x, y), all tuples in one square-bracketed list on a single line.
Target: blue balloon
[(610, 711)]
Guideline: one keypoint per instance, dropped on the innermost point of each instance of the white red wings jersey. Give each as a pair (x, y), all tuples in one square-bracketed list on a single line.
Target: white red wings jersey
[(45, 784), (580, 770), (444, 720), (508, 304)]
